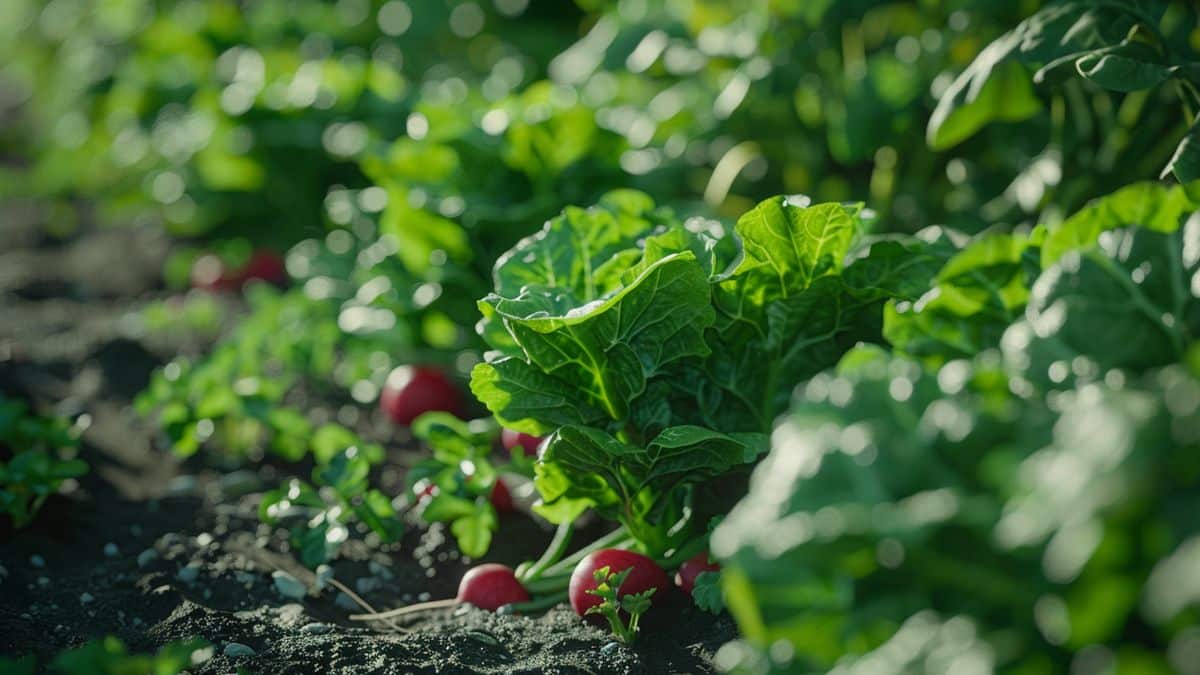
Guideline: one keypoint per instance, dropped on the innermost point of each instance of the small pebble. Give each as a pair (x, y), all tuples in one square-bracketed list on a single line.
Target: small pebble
[(204, 539), (37, 561), (111, 550), (135, 530), (367, 584), (324, 574), (181, 485), (289, 586), (237, 649), (346, 602), (85, 598), (316, 628), (380, 571), (145, 558), (610, 648), (43, 582), (189, 573)]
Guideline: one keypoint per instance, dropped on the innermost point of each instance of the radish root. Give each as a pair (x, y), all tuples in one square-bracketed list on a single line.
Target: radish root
[(407, 609)]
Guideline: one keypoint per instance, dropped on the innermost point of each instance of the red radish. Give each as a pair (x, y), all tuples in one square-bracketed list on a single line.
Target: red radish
[(210, 272), (491, 586), (501, 497), (511, 439), (265, 265), (646, 574), (411, 391), (693, 567)]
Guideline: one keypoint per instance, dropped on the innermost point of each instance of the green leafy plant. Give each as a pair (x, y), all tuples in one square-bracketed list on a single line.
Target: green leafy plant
[(1120, 46), (457, 482), (339, 496), (898, 491), (109, 656), (632, 336), (32, 466), (707, 592), (623, 612)]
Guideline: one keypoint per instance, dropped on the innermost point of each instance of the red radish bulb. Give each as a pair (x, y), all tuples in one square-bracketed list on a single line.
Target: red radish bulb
[(511, 439), (411, 391), (646, 574), (491, 586), (693, 567), (265, 265), (209, 273), (501, 497)]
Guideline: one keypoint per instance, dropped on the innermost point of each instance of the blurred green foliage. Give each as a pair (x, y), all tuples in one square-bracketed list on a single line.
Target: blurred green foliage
[(36, 458), (1027, 485)]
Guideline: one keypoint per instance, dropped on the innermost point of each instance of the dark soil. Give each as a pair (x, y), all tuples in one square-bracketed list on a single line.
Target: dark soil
[(151, 549)]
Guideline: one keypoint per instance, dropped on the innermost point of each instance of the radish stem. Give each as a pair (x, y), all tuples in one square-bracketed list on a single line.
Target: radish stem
[(613, 539), (552, 584), (558, 545), (539, 605)]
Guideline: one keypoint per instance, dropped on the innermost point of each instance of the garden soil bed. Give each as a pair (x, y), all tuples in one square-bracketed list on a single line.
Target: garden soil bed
[(151, 548)]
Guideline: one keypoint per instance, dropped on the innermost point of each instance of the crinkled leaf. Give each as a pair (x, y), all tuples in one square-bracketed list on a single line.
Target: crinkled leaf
[(603, 352), (798, 300), (526, 399)]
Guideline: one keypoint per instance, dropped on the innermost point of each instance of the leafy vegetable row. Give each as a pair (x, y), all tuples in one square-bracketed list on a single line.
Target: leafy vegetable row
[(1017, 464)]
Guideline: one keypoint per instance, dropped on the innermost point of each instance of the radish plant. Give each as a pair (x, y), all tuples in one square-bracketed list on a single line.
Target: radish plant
[(460, 481), (322, 513), (623, 611), (632, 336), (917, 480), (34, 462)]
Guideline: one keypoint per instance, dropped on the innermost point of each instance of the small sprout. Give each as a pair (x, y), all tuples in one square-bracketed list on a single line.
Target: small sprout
[(632, 605)]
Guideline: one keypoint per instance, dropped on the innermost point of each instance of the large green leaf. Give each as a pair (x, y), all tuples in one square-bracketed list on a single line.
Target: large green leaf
[(997, 84), (801, 296), (985, 93), (1128, 302), (607, 348), (1185, 163), (586, 332), (1129, 66), (1150, 205), (969, 302)]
